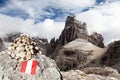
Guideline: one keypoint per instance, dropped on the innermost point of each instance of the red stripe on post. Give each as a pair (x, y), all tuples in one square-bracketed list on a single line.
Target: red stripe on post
[(34, 67), (23, 66)]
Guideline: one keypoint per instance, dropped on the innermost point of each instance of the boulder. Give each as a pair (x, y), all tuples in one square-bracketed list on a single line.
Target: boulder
[(25, 49), (10, 69)]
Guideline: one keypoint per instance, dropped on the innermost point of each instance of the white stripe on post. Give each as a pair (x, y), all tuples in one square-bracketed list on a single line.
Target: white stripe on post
[(28, 67)]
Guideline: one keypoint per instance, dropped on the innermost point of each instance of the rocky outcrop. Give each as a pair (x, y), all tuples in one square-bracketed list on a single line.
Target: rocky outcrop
[(25, 49), (96, 39), (112, 55), (11, 37), (2, 47), (10, 69), (80, 75), (73, 30), (53, 46), (78, 54), (103, 71), (43, 45)]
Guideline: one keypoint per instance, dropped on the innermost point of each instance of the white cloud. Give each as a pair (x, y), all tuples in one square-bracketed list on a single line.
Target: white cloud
[(35, 8), (104, 19), (47, 29), (112, 0), (73, 4)]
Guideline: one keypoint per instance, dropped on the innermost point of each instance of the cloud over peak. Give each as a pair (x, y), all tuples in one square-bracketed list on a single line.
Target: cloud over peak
[(103, 19), (46, 29), (46, 18)]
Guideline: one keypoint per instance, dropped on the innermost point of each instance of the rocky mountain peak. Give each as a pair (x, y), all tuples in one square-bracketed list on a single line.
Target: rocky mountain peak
[(71, 22), (73, 29)]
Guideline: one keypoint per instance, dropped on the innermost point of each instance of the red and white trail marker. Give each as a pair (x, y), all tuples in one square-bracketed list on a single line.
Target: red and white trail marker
[(29, 67)]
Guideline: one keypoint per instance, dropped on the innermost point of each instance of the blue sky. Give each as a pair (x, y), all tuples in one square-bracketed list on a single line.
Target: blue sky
[(3, 3), (46, 18), (53, 12), (99, 1), (56, 11)]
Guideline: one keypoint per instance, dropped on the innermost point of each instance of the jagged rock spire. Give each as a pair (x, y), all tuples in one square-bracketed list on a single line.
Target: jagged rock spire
[(73, 29)]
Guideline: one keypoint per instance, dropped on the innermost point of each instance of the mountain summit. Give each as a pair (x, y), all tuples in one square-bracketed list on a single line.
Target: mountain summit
[(75, 29)]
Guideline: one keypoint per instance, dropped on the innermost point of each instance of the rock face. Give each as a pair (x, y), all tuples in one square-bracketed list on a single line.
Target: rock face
[(96, 39), (78, 54), (11, 37), (11, 62), (53, 46), (112, 55), (43, 45), (10, 69), (80, 75), (103, 71), (2, 47), (73, 30)]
